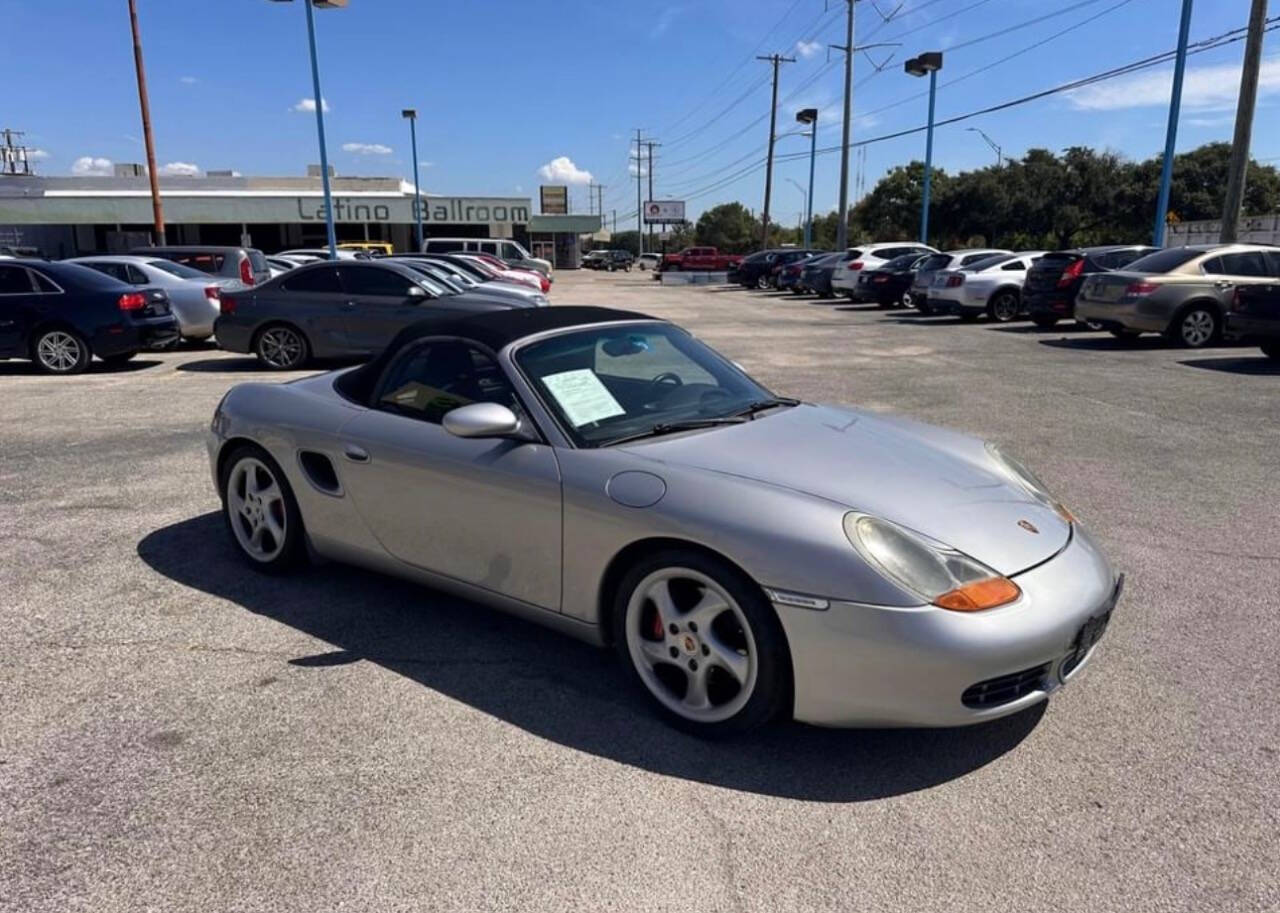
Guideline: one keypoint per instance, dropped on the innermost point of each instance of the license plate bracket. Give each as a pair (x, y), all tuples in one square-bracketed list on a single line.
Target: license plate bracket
[(1092, 630)]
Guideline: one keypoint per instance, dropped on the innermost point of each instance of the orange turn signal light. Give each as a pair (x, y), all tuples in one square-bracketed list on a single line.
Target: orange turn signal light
[(981, 594)]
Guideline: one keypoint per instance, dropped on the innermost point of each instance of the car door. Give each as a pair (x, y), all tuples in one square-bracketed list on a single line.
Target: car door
[(483, 511), (312, 298), (17, 303), (380, 302), (1249, 267)]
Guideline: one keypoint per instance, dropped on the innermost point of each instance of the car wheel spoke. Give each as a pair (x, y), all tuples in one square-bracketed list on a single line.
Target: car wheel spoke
[(705, 612), (695, 696), (727, 658)]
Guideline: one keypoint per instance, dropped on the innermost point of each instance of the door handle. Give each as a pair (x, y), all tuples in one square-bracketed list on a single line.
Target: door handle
[(355, 454)]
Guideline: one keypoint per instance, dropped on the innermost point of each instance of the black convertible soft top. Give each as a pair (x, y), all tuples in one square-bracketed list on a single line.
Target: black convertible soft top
[(492, 329)]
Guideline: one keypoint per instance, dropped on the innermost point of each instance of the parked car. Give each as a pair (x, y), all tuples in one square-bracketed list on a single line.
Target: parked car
[(1052, 283), (1182, 292), (844, 279), (648, 260), (816, 273), (59, 315), (479, 270), (452, 277), (944, 586), (193, 296), (248, 265), (951, 259), (753, 270), (530, 277), (704, 259), (335, 309), (784, 259), (593, 259), (1255, 314), (992, 286), (279, 266), (373, 248), (888, 285), (512, 253), (610, 260)]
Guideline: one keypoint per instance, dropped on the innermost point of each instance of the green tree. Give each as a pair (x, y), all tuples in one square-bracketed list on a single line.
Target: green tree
[(730, 227)]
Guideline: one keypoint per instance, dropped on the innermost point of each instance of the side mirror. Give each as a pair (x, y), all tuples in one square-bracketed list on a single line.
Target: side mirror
[(417, 291), (481, 420)]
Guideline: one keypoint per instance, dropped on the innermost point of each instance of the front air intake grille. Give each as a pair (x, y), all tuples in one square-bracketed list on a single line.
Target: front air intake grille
[(1005, 688)]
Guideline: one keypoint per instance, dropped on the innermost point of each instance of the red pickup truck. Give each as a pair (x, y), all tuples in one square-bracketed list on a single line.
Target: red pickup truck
[(699, 258)]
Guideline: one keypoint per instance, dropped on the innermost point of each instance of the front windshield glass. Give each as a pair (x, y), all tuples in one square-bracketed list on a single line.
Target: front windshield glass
[(614, 382)]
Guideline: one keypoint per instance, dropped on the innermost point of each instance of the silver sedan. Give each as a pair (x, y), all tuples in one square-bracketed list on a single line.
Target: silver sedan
[(747, 555), (193, 295)]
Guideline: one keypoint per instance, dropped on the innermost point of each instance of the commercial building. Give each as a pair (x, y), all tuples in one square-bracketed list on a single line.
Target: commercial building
[(68, 216)]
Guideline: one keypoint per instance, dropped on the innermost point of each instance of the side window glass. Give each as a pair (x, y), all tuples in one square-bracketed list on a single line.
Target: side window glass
[(14, 280), (1248, 263), (509, 251), (1214, 267), (135, 275), (437, 377), (374, 281), (114, 270), (44, 284), (1014, 265), (489, 247), (321, 280)]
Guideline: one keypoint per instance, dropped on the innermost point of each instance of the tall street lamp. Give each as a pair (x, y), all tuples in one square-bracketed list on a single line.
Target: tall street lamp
[(990, 142), (319, 102), (809, 116), (411, 114), (930, 63)]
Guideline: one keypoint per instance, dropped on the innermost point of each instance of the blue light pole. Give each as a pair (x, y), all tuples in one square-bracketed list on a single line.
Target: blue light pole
[(319, 101), (929, 63), (411, 114), (810, 116), (1171, 136)]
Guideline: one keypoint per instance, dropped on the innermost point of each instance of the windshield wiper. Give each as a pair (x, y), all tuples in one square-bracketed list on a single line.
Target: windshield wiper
[(761, 405), (672, 427)]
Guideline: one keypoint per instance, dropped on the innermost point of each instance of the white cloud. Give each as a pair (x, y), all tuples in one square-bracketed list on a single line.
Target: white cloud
[(637, 170), (179, 170), (91, 166), (188, 80), (807, 49), (37, 155), (308, 105), (562, 170), (366, 148), (1204, 88)]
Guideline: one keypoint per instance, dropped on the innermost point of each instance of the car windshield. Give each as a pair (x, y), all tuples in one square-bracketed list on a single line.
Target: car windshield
[(1163, 261), (903, 262), (937, 261), (616, 382), (180, 270), (978, 266)]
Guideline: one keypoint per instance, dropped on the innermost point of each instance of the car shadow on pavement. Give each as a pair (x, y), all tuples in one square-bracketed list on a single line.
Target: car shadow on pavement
[(28, 368), (558, 688), (1260, 366)]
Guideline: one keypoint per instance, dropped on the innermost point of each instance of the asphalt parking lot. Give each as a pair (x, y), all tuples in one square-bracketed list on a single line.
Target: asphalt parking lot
[(177, 732)]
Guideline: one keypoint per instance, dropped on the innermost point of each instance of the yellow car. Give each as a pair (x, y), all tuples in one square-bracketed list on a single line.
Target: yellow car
[(375, 247)]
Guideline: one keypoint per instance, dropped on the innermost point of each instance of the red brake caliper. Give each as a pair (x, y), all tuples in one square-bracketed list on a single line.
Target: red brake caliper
[(657, 625)]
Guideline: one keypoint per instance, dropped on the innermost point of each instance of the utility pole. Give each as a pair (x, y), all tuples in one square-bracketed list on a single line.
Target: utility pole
[(842, 220), (600, 202), (157, 209), (639, 201), (651, 144), (774, 59), (1171, 133), (1244, 122), (615, 220)]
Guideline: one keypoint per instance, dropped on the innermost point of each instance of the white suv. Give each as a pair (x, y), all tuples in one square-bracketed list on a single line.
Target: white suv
[(870, 256), (506, 250)]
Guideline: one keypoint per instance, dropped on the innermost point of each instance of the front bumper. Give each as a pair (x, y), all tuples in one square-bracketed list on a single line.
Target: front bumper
[(862, 665)]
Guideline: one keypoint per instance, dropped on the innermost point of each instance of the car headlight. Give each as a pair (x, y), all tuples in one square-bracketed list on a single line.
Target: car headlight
[(940, 575), (1025, 478)]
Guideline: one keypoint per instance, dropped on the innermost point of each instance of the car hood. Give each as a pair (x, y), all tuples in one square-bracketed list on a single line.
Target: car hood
[(936, 482)]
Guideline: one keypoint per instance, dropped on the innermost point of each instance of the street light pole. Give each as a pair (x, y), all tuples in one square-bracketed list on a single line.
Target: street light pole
[(930, 63), (810, 116), (990, 142), (157, 209), (1244, 122), (411, 114), (1171, 135)]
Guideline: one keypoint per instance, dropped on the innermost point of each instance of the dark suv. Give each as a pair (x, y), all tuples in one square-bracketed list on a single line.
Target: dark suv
[(1052, 283), (1255, 313)]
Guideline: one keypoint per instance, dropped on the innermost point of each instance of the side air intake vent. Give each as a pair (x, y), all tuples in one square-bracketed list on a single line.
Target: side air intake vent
[(320, 472)]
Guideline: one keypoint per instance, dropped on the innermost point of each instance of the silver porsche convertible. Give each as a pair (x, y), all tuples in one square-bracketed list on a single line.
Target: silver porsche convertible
[(748, 556)]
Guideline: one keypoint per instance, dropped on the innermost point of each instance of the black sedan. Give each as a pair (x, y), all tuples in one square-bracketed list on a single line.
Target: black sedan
[(1053, 281), (1255, 314), (60, 315), (337, 309), (889, 284)]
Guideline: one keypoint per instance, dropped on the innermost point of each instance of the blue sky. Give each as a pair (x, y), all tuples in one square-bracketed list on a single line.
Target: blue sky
[(505, 88)]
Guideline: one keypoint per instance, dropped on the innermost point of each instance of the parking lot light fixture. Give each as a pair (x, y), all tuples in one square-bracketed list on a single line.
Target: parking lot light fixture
[(930, 63), (411, 115), (319, 103), (809, 116)]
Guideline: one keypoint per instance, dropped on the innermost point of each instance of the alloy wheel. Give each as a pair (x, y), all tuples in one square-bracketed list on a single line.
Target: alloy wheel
[(256, 509), (1004, 308), (1197, 328), (762, 282), (691, 644), (281, 347), (59, 351)]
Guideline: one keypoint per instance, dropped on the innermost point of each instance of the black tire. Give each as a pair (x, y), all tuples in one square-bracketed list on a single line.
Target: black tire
[(292, 550), (1003, 306), (270, 341), (673, 268), (1124, 334), (60, 350), (770, 696), (968, 317), (1195, 327), (762, 282), (925, 308), (1271, 348), (826, 296), (119, 358), (1045, 321)]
